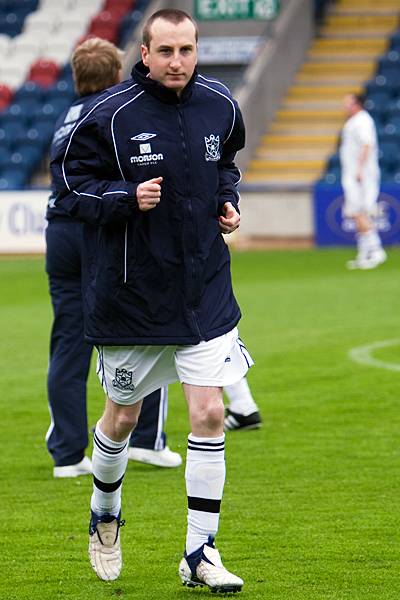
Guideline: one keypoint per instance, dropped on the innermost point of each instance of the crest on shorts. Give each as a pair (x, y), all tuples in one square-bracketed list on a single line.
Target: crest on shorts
[(212, 147), (123, 380)]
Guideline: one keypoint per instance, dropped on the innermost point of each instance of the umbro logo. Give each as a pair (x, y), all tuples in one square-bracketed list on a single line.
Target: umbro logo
[(142, 137)]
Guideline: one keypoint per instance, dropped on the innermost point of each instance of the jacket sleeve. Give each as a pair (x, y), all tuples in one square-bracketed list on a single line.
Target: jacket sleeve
[(86, 180), (229, 174)]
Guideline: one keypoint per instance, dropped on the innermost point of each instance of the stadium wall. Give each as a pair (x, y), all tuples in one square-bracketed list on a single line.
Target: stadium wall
[(22, 222), (276, 218), (280, 217)]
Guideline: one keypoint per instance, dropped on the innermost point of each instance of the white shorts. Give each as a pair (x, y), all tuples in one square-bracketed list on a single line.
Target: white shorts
[(360, 197), (129, 373)]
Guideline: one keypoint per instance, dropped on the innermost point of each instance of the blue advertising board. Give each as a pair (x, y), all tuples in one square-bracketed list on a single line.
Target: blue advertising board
[(331, 229)]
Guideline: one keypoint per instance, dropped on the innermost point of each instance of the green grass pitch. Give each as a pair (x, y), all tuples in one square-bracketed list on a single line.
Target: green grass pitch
[(312, 500)]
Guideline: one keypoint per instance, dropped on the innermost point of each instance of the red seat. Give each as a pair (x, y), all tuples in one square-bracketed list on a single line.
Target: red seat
[(105, 17), (43, 79), (129, 4), (106, 32), (6, 95), (119, 8), (44, 71)]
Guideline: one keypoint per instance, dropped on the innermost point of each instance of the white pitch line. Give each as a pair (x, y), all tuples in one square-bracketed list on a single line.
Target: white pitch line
[(363, 355)]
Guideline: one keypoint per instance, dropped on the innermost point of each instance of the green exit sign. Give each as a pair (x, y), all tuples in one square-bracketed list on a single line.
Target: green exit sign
[(215, 10)]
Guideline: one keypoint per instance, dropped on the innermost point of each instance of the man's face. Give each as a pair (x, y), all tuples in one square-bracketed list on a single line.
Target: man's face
[(172, 55), (350, 105)]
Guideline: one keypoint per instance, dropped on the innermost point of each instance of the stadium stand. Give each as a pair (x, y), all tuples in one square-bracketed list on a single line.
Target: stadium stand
[(37, 38), (356, 48)]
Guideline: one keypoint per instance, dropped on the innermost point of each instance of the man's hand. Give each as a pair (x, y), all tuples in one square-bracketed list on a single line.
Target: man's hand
[(148, 193), (230, 220)]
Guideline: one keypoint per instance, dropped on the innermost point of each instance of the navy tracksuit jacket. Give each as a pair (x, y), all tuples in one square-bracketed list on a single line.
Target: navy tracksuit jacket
[(162, 276)]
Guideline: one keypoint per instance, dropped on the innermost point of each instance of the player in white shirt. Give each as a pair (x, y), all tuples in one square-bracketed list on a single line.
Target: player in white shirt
[(360, 181)]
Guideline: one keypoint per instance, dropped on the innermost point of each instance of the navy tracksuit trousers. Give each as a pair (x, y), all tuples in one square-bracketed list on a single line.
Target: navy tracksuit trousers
[(67, 437)]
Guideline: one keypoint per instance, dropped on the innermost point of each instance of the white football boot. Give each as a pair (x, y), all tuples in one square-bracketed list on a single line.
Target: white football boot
[(204, 567), (84, 467), (104, 545), (376, 258), (158, 458), (370, 261)]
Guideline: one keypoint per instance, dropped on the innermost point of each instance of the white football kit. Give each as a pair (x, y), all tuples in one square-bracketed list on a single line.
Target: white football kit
[(360, 196), (128, 373)]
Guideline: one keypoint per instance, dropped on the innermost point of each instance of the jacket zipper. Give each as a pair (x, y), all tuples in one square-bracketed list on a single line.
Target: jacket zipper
[(187, 193), (126, 253)]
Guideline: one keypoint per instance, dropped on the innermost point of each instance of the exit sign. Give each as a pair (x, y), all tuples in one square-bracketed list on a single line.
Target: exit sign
[(215, 10)]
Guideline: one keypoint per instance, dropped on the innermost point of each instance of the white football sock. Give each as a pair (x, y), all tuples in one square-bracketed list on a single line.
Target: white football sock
[(240, 399), (373, 241), (205, 478), (109, 462), (368, 242), (362, 245)]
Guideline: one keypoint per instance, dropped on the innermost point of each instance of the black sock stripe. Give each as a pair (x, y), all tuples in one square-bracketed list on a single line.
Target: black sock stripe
[(107, 487), (205, 443), (204, 504), (105, 448), (206, 449)]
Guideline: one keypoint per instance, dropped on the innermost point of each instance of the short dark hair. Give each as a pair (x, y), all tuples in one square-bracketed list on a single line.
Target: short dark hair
[(173, 15), (359, 99)]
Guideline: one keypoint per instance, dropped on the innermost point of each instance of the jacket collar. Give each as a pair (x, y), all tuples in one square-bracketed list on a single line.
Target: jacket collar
[(140, 75)]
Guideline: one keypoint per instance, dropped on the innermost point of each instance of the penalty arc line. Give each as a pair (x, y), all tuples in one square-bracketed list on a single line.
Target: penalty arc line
[(363, 355)]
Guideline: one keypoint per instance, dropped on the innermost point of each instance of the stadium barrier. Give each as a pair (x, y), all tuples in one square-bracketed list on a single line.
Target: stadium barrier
[(22, 222), (331, 229)]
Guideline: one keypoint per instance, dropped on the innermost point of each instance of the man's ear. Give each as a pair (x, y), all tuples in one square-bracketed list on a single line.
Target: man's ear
[(145, 52)]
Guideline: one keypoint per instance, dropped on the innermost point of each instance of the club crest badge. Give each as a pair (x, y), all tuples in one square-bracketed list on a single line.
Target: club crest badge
[(123, 380), (212, 147)]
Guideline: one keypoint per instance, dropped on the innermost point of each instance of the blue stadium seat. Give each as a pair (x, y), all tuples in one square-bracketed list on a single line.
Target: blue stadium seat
[(395, 41), (29, 90), (22, 110), (128, 25), (12, 133), (331, 177), (333, 162), (50, 110), (66, 71), (45, 128), (389, 156), (379, 85), (389, 60), (40, 135), (63, 88), (393, 108), (11, 23), (378, 114), (5, 154), (394, 119), (23, 5), (27, 158), (13, 179), (392, 76), (389, 133), (377, 102)]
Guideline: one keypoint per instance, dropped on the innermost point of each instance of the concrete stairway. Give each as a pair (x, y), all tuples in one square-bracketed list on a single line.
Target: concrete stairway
[(341, 59)]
